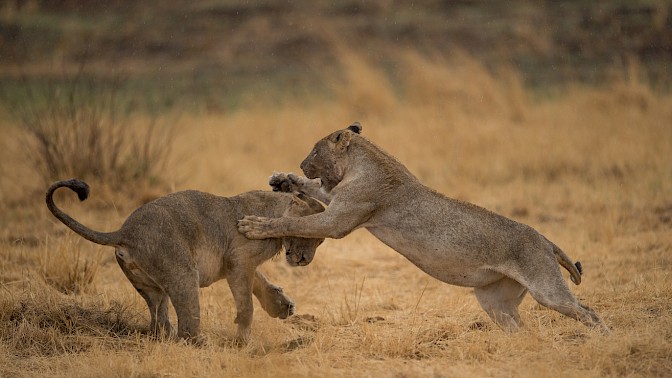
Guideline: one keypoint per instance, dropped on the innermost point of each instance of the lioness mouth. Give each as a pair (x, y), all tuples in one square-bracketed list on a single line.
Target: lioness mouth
[(297, 259)]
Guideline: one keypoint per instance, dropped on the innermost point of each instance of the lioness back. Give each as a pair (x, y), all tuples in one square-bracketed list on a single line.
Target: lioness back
[(193, 215)]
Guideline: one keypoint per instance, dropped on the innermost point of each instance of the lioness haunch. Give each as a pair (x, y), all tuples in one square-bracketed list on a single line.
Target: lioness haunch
[(170, 247), (453, 241)]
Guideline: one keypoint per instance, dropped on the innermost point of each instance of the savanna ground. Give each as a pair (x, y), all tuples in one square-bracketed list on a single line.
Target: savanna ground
[(589, 166)]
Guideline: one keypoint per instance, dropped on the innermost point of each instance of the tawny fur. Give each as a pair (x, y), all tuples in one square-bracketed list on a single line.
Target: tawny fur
[(170, 247), (453, 241)]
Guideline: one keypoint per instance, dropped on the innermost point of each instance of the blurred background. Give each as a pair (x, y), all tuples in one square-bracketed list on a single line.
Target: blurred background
[(146, 97), (557, 114), (213, 56)]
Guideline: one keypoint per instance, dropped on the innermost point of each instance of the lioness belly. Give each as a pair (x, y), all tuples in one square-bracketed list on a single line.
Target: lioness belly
[(209, 264), (437, 261)]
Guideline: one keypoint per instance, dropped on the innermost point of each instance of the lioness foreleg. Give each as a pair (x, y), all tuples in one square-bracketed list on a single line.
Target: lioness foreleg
[(338, 220), (240, 282), (272, 298), (289, 182)]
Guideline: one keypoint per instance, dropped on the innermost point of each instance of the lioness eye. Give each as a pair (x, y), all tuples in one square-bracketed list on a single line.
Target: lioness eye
[(315, 153)]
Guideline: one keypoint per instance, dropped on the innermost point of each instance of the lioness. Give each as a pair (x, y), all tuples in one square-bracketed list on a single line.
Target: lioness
[(170, 247), (453, 241)]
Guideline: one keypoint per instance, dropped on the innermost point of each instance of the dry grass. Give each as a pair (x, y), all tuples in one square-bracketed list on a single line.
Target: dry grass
[(591, 170), (79, 126), (66, 268)]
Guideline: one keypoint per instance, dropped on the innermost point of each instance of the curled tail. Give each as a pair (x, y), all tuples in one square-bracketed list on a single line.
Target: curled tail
[(575, 269), (82, 190)]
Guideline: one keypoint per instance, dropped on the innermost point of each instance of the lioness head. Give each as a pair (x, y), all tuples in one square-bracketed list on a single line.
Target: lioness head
[(328, 158), (300, 251)]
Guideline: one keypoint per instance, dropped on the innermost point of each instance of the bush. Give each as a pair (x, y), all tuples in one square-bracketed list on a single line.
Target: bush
[(79, 126), (66, 268)]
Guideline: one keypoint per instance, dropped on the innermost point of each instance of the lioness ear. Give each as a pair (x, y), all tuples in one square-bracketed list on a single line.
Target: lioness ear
[(341, 139), (355, 127), (314, 204), (296, 198), (302, 199)]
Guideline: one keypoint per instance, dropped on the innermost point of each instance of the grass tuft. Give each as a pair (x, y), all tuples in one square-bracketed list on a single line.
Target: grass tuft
[(67, 268), (40, 322), (79, 125)]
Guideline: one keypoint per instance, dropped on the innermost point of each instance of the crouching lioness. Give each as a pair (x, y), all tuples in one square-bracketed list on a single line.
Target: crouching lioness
[(453, 241), (170, 247)]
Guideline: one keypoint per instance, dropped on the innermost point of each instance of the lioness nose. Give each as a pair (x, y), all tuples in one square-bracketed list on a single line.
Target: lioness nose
[(303, 166), (296, 258)]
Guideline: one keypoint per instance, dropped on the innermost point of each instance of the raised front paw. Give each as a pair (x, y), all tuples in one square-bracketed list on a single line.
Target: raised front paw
[(280, 182), (285, 182), (255, 227)]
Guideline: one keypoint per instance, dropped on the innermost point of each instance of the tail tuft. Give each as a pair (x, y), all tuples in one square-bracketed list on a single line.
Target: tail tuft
[(579, 267), (574, 269), (79, 187)]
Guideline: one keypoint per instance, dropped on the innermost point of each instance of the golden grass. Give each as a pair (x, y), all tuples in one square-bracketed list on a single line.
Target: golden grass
[(591, 170)]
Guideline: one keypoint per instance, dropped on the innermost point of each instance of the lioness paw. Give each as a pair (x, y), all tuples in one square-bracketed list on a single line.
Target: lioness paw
[(285, 306), (276, 303), (296, 180), (284, 182), (254, 227)]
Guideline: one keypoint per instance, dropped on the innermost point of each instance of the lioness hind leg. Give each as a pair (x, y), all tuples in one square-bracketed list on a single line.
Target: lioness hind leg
[(500, 300), (154, 296), (564, 302), (157, 301), (550, 289), (272, 298)]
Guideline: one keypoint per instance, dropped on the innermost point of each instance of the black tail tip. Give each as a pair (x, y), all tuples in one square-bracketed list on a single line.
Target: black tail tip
[(79, 187), (579, 267)]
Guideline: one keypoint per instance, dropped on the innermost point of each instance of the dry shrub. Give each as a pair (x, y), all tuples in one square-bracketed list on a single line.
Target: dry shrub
[(67, 268), (80, 126), (41, 322)]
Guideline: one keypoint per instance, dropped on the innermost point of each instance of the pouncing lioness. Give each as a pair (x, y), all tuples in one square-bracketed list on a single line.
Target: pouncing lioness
[(453, 241), (170, 247)]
